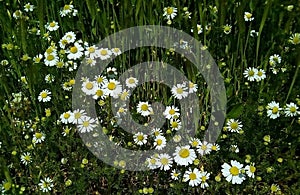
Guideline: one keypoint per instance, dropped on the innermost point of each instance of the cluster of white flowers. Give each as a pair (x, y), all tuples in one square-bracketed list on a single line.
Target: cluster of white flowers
[(289, 110), (254, 74)]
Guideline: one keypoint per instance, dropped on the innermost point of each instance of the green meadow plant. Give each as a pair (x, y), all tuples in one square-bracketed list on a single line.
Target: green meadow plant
[(255, 44)]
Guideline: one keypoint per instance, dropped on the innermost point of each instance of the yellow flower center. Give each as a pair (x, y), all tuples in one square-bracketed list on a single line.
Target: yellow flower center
[(169, 10), (89, 86), (203, 147), (66, 7), (103, 52), (293, 109), (296, 40), (191, 85), (159, 142), (92, 50), (38, 135), (184, 153), (248, 15), (234, 125), (77, 115), (195, 143), (67, 115), (60, 64), (203, 178), (260, 73), (153, 161), (27, 158), (172, 111), (251, 73), (214, 147), (99, 79), (192, 176), (164, 161), (73, 49), (99, 92), (234, 171), (140, 137), (52, 24), (144, 107), (117, 50), (44, 95), (252, 169), (86, 123), (179, 90), (111, 86), (274, 110), (174, 124), (131, 81), (50, 57)]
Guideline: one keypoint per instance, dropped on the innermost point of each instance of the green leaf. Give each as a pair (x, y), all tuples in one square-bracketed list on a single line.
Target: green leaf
[(236, 111)]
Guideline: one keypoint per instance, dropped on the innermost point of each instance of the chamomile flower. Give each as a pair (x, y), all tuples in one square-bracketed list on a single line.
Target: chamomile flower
[(86, 124), (28, 7), (199, 29), (175, 124), (195, 142), (183, 155), (160, 142), (51, 59), (152, 163), (250, 73), (44, 96), (38, 137), (116, 51), (99, 94), (70, 36), (89, 87), (67, 117), (164, 162), (26, 158), (171, 112), (91, 52), (66, 131), (66, 10), (125, 95), (204, 148), (250, 170), (156, 132), (49, 78), (77, 116), (275, 59), (234, 125), (170, 12), (273, 110), (111, 71), (121, 111), (233, 172), (140, 138), (75, 52), (37, 58), (194, 177), (144, 108), (17, 14), (177, 138), (175, 174), (248, 16), (131, 82), (274, 188), (227, 29), (112, 88), (192, 87), (261, 75), (204, 176), (295, 39), (291, 110), (100, 80), (215, 147), (103, 53), (46, 184), (179, 91), (52, 26)]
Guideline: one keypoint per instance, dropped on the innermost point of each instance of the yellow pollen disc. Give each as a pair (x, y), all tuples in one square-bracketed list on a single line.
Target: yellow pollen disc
[(274, 110), (50, 57), (234, 125), (38, 135), (89, 86), (192, 176), (159, 142), (66, 7), (66, 115), (252, 169), (293, 109), (234, 171), (184, 153), (169, 10), (140, 137), (174, 124), (52, 24), (111, 86), (179, 90), (92, 50), (251, 73), (164, 161), (73, 49), (86, 123), (77, 115), (103, 52), (144, 107), (203, 147), (203, 178), (99, 92), (131, 81), (172, 111), (44, 95)]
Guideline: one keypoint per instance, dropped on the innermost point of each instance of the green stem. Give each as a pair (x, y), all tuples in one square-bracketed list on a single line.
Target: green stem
[(294, 78)]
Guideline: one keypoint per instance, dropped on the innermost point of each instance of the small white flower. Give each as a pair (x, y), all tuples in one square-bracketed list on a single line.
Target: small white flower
[(28, 7), (170, 12), (171, 112), (250, 170), (179, 91), (140, 138), (164, 162), (160, 142), (183, 155), (26, 158), (52, 26), (131, 82), (103, 53), (273, 110), (233, 172), (46, 184), (291, 110), (38, 137), (44, 96), (192, 176), (250, 73), (204, 148), (86, 124), (248, 16), (234, 125), (144, 108)]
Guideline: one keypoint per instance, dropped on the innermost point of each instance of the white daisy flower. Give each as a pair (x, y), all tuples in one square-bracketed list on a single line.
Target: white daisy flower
[(250, 73), (275, 59), (144, 108), (116, 51), (52, 26), (261, 75), (183, 155), (77, 116), (204, 176), (177, 138), (250, 170), (44, 96), (156, 132), (37, 58), (125, 94), (140, 138), (234, 125), (152, 163), (175, 174), (248, 16), (28, 7), (179, 91), (195, 142), (46, 184), (86, 124), (192, 87), (49, 78), (70, 36), (99, 94), (131, 82), (194, 177), (215, 147), (67, 117), (160, 142), (111, 71), (100, 80), (291, 110), (26, 158), (233, 172), (175, 124), (89, 87), (164, 162), (66, 10), (112, 88), (91, 52), (204, 148), (51, 59), (170, 12), (227, 29), (121, 111), (75, 52), (38, 137), (171, 112), (273, 110), (295, 39), (103, 53)]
